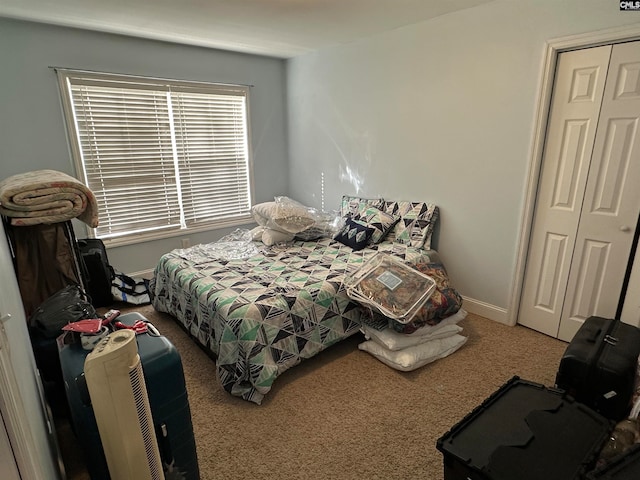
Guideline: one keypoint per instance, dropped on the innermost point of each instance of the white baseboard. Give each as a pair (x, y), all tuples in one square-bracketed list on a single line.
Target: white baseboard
[(486, 310)]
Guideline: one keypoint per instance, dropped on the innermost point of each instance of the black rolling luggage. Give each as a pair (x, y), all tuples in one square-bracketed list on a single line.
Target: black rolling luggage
[(599, 366), (524, 431), (162, 369)]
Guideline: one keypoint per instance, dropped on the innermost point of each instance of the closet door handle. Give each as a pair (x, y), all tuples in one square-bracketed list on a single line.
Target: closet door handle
[(625, 228)]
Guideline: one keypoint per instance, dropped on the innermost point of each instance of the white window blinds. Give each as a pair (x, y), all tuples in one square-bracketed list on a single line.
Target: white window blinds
[(160, 156)]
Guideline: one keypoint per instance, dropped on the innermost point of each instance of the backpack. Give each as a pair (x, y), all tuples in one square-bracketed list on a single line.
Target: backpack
[(99, 272)]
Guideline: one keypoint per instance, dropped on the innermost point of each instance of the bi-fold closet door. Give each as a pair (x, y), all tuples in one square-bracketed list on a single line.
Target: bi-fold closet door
[(588, 198)]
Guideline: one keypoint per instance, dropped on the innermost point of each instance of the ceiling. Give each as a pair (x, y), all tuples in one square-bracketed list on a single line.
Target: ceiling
[(277, 28)]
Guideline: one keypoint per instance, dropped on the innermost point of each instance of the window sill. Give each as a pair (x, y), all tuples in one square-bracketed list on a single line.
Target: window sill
[(148, 237)]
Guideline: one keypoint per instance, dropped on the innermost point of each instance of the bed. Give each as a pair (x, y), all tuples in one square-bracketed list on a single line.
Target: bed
[(283, 303)]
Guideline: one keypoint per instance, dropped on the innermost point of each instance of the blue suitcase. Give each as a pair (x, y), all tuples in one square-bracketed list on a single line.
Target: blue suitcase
[(163, 374)]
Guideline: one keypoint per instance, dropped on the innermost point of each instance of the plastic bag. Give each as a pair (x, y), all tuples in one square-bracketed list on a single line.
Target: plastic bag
[(328, 225), (65, 306), (324, 224), (292, 216), (235, 246)]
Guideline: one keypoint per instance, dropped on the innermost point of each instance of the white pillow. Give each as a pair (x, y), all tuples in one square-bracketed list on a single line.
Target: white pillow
[(262, 212), (392, 340), (284, 218), (256, 233), (417, 356), (271, 237)]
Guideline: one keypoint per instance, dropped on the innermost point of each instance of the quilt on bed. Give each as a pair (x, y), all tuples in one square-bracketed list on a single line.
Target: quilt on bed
[(263, 315)]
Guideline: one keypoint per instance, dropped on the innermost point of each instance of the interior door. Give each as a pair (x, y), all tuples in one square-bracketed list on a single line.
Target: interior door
[(612, 198), (8, 466), (573, 118)]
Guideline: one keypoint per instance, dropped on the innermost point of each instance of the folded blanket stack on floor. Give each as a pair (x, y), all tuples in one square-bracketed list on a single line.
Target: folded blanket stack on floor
[(430, 334), (46, 197)]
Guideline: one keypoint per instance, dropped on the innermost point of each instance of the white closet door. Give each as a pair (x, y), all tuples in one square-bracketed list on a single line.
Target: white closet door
[(612, 199), (573, 117), (8, 466)]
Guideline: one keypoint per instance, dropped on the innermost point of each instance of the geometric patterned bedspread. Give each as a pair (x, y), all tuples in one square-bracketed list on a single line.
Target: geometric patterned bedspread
[(263, 315)]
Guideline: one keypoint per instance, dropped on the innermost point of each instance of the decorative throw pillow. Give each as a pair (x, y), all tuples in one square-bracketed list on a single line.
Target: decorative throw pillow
[(354, 234), (352, 205), (416, 223), (380, 221), (414, 357)]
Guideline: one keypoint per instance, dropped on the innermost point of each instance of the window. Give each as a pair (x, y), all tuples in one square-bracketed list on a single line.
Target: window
[(161, 156)]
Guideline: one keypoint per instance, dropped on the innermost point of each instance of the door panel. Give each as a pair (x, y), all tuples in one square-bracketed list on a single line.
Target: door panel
[(568, 177), (573, 117), (612, 199), (590, 277), (554, 253)]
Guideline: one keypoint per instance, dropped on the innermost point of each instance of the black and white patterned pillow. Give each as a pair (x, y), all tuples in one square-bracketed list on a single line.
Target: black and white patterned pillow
[(355, 234), (380, 221), (352, 205), (416, 223)]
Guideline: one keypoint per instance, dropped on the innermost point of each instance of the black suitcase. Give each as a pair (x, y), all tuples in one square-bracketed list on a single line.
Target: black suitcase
[(599, 366), (524, 431), (164, 377), (623, 467), (98, 271)]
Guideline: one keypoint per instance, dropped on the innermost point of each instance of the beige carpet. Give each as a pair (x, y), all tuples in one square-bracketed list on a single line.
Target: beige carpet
[(345, 415)]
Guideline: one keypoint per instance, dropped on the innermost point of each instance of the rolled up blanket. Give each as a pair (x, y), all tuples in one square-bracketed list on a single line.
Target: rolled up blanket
[(46, 197)]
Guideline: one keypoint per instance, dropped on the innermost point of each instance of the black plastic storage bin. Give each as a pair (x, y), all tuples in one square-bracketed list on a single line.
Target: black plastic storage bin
[(623, 467), (524, 431)]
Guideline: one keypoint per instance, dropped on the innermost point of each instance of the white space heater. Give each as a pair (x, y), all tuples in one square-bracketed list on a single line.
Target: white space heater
[(121, 406)]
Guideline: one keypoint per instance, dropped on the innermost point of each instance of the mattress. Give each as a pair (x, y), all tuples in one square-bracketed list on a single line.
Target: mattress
[(262, 315)]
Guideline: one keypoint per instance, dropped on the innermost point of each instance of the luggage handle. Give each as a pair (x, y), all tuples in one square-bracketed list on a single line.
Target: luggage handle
[(595, 336), (164, 445), (607, 338)]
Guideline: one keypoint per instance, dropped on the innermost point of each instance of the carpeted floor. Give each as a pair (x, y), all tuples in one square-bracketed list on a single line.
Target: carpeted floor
[(345, 415)]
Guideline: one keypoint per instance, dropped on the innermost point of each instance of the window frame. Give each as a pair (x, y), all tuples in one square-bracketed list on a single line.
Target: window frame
[(126, 80)]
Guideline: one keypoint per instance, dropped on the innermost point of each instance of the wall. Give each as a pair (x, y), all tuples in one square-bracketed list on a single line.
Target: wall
[(442, 111), (32, 134)]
